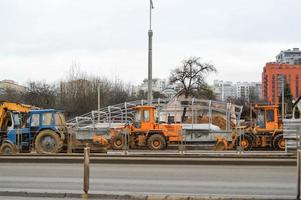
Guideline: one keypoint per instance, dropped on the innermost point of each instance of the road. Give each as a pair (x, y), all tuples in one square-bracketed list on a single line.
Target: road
[(207, 180)]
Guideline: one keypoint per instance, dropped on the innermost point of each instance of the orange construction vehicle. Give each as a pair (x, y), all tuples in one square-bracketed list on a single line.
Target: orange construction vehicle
[(145, 131), (266, 133), (8, 112)]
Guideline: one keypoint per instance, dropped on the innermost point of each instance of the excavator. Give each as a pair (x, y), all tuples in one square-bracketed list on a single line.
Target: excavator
[(12, 115), (9, 112)]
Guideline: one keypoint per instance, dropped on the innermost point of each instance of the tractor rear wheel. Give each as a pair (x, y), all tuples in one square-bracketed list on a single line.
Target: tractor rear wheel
[(156, 142), (8, 149), (47, 142), (117, 142), (279, 142), (245, 141)]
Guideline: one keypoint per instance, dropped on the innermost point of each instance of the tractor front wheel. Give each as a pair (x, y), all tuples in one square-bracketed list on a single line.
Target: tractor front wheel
[(156, 142), (8, 149), (245, 142), (117, 142), (47, 142), (279, 142)]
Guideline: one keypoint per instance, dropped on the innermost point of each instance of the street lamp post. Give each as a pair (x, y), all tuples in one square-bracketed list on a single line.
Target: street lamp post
[(150, 55), (282, 98)]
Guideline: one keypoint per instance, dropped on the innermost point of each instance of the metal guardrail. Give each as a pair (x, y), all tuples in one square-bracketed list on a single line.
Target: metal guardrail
[(124, 113), (292, 134)]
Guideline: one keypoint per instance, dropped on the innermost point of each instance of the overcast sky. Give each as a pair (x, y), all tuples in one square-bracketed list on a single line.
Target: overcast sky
[(40, 39)]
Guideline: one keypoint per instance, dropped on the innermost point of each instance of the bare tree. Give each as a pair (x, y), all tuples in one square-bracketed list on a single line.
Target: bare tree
[(191, 76), (40, 94)]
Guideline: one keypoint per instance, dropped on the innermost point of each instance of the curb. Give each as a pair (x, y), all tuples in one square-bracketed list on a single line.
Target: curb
[(153, 160), (129, 196)]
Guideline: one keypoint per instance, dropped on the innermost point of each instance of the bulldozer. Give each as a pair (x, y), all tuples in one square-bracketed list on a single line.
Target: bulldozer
[(144, 131), (267, 132)]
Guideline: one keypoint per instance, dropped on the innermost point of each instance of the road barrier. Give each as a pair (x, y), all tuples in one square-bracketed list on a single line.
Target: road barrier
[(86, 169)]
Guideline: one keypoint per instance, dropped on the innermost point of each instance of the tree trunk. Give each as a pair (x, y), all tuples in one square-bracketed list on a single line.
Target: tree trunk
[(184, 114)]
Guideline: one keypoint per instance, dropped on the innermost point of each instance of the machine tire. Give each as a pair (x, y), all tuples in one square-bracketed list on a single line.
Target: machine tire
[(246, 142), (279, 142), (156, 142), (8, 149), (48, 142), (117, 142)]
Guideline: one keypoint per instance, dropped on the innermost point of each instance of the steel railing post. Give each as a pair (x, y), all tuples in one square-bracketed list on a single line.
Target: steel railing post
[(86, 169)]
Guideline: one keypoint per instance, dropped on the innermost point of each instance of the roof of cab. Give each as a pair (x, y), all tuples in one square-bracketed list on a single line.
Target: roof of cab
[(45, 111)]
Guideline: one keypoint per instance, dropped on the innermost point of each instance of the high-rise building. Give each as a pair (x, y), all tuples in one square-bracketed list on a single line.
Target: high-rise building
[(244, 90), (224, 90), (287, 70), (272, 77), (290, 56)]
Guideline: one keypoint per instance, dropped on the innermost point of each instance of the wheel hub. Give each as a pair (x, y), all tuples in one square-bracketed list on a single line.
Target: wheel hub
[(118, 142), (244, 143), (281, 143), (7, 151), (156, 143), (48, 143)]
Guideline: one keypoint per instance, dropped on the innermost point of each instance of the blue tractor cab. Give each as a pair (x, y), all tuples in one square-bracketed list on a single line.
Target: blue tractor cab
[(44, 130)]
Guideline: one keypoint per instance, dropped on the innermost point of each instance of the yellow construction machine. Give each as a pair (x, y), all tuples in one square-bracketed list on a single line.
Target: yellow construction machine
[(267, 132), (8, 112)]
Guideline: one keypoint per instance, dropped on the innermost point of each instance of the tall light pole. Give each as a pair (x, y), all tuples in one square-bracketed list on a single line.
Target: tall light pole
[(282, 98), (150, 55)]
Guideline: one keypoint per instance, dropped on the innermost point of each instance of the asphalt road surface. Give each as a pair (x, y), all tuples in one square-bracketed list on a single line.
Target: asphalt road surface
[(207, 180)]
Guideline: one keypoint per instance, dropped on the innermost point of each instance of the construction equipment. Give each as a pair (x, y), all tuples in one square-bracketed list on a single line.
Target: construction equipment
[(11, 116), (8, 112), (267, 132), (145, 131), (44, 130)]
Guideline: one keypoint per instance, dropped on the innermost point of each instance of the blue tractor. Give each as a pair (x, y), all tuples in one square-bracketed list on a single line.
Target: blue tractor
[(44, 131)]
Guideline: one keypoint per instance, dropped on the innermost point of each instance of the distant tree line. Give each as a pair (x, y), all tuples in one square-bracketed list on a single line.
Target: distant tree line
[(77, 93)]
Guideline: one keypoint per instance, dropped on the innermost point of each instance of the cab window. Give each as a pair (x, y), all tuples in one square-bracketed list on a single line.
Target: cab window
[(146, 115), (270, 115), (260, 119), (35, 120), (137, 116), (47, 119)]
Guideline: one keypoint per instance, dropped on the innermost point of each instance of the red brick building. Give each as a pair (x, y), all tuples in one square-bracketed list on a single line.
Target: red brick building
[(272, 76)]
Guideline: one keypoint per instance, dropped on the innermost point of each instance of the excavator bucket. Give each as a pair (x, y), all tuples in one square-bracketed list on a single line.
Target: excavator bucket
[(221, 144), (100, 140)]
